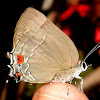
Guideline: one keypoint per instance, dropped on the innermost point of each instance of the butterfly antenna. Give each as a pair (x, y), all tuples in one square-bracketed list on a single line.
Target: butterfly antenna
[(94, 49)]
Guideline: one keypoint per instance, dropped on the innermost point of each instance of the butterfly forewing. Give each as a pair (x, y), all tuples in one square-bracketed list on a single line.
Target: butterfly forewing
[(27, 22)]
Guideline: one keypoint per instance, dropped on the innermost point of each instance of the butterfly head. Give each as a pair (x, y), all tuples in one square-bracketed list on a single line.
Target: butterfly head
[(84, 66)]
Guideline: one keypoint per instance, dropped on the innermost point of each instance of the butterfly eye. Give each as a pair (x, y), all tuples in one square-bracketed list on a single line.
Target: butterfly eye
[(84, 65), (20, 59)]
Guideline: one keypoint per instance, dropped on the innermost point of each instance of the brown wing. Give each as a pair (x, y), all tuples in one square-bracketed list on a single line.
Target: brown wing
[(48, 49)]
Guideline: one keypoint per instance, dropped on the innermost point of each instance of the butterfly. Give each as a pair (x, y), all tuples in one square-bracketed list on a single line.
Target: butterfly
[(42, 53)]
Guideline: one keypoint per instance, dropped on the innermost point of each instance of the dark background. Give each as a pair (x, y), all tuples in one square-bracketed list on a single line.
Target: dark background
[(10, 13)]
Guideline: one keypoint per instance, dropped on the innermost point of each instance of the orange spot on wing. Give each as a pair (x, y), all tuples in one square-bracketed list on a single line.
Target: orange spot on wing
[(20, 59), (77, 61), (19, 74)]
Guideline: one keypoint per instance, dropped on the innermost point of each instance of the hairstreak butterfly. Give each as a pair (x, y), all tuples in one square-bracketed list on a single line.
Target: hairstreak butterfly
[(42, 52)]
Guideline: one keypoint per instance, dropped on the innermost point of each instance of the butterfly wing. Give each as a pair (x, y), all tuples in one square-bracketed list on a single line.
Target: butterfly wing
[(47, 48)]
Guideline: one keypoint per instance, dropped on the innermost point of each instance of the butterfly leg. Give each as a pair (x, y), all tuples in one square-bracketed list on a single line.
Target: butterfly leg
[(69, 85), (60, 79), (81, 83), (53, 80), (75, 83), (49, 84), (64, 80)]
